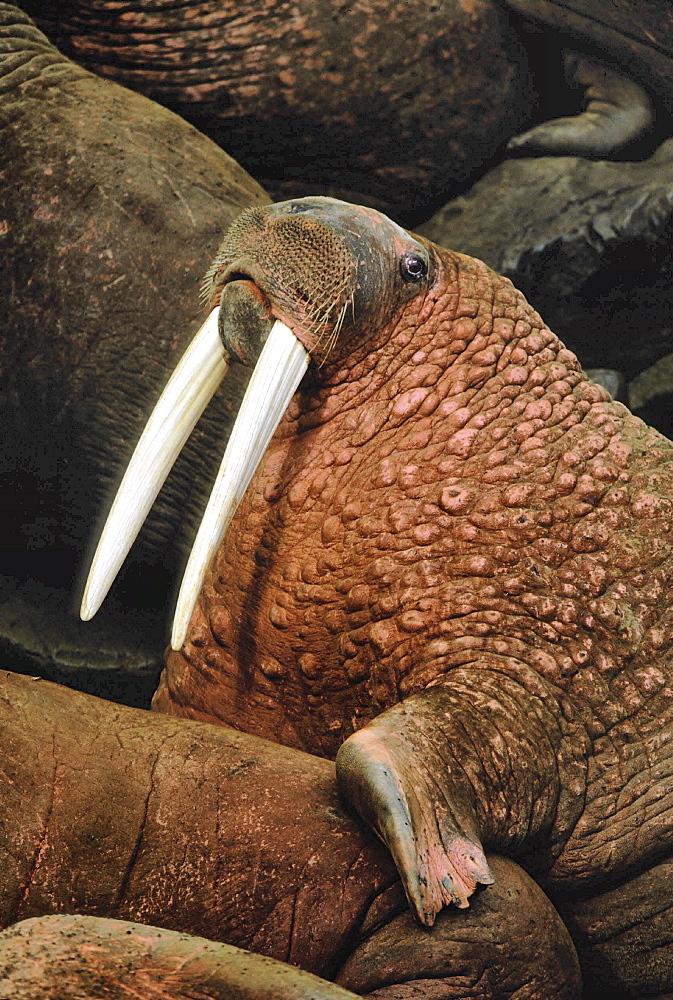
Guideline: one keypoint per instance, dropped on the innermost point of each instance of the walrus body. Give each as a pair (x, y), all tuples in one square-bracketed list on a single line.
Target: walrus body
[(398, 105), (457, 549), (110, 208), (111, 811), (401, 104)]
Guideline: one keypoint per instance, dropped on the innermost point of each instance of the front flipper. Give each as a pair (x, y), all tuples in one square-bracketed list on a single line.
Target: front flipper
[(477, 757), (431, 835), (617, 112)]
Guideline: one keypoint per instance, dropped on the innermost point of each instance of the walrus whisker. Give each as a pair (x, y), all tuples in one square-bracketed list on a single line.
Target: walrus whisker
[(327, 336), (336, 330)]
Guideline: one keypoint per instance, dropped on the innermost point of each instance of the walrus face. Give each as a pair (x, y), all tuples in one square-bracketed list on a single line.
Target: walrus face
[(298, 282), (328, 270)]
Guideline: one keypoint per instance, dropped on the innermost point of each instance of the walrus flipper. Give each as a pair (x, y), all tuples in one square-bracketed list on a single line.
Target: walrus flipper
[(475, 758), (436, 850), (617, 112)]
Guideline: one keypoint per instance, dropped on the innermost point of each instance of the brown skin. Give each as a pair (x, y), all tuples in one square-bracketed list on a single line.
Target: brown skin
[(110, 209), (147, 818), (67, 116), (453, 517), (58, 958), (113, 812), (399, 103), (625, 935)]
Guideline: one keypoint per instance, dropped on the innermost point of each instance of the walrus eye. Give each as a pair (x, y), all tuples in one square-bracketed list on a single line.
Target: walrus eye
[(413, 268)]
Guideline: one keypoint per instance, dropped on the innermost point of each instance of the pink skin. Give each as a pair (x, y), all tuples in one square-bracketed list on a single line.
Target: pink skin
[(458, 541)]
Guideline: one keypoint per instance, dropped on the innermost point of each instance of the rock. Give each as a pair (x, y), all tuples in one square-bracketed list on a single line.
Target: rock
[(651, 395), (588, 243)]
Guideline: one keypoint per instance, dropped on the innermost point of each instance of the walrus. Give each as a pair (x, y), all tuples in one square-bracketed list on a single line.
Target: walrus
[(451, 569), (115, 816), (402, 105)]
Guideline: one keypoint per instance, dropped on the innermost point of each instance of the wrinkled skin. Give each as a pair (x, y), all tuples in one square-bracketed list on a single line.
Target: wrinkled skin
[(112, 812), (453, 517), (400, 103), (111, 208)]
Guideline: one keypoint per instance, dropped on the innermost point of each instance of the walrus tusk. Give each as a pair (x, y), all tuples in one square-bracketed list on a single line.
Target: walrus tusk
[(274, 380), (189, 390)]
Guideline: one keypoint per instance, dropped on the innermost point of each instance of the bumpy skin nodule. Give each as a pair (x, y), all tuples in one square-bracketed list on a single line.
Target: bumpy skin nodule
[(459, 542)]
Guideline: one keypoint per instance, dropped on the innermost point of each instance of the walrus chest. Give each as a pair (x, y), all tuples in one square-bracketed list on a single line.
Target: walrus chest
[(356, 574), (318, 600)]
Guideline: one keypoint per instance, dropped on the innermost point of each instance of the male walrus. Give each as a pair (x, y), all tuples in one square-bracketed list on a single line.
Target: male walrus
[(455, 555)]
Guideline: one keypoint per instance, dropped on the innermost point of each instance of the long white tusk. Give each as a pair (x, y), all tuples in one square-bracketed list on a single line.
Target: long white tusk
[(189, 390), (277, 374)]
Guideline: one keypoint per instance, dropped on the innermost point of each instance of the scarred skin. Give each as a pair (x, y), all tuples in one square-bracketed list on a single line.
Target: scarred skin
[(452, 517)]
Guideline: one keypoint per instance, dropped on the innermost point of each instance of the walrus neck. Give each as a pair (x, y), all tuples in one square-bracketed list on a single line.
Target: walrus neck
[(488, 345)]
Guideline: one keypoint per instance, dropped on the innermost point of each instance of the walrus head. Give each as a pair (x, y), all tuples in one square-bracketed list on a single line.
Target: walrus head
[(294, 284), (318, 265)]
